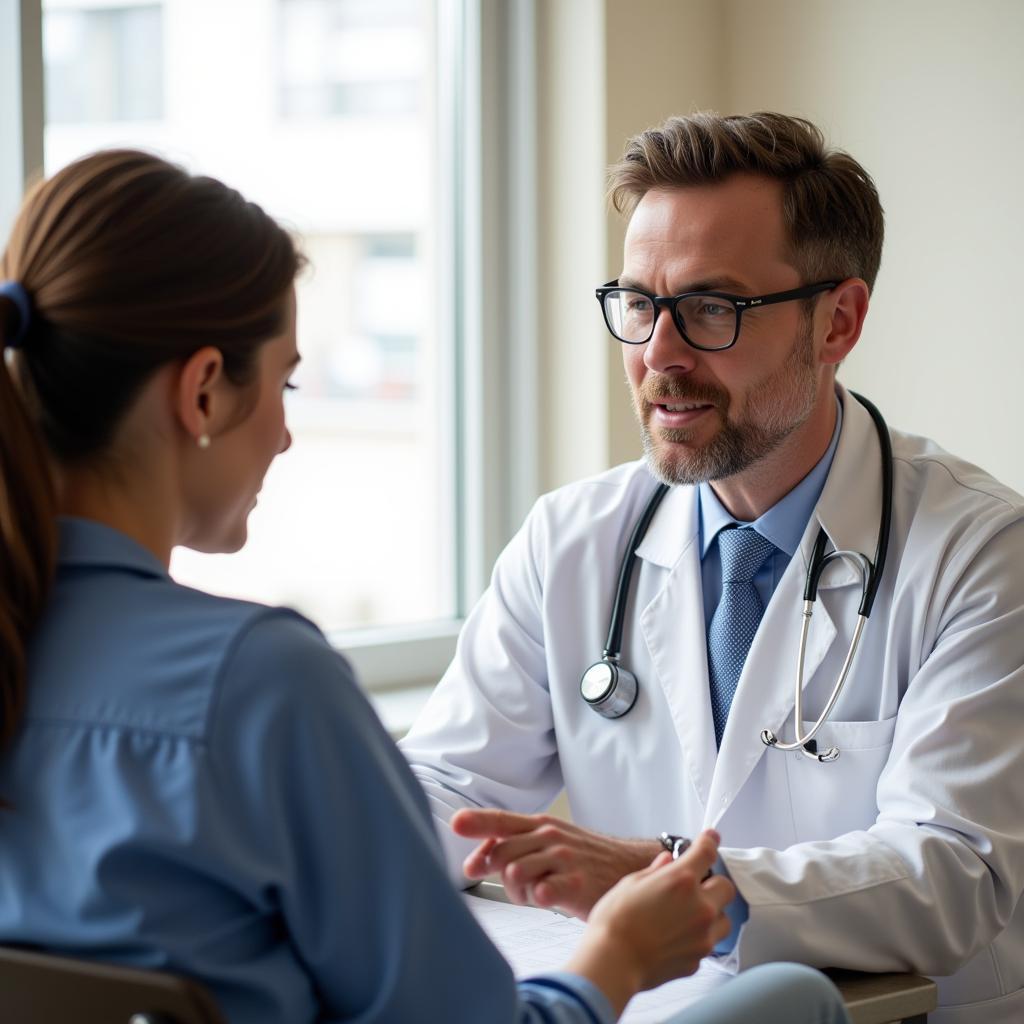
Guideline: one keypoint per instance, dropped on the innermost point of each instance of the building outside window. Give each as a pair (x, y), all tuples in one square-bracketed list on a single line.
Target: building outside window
[(104, 64), (324, 112)]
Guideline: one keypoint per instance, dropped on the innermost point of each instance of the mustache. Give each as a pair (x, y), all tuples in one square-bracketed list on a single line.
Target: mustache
[(672, 390)]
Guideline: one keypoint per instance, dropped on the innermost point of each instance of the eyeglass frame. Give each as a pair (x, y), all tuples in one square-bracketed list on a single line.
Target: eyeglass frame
[(739, 303)]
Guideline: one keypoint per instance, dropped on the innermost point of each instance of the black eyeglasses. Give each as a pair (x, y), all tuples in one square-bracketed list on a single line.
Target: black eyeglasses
[(709, 321)]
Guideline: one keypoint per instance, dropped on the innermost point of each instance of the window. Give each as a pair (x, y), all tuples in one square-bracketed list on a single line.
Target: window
[(370, 459), (351, 57), (103, 64), (362, 125)]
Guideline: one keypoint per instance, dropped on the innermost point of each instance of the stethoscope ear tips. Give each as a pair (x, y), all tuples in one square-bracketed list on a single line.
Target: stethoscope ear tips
[(809, 749)]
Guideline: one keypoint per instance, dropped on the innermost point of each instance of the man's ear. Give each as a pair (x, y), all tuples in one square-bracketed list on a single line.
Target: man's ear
[(198, 392), (845, 307)]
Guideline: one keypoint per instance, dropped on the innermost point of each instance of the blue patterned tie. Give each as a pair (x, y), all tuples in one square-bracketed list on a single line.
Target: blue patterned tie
[(732, 627)]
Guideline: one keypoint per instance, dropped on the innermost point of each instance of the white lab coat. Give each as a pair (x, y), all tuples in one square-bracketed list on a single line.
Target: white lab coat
[(907, 853)]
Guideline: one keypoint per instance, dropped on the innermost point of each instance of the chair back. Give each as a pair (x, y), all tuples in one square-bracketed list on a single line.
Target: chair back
[(39, 988)]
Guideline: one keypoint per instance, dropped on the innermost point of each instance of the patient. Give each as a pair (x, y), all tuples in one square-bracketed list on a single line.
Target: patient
[(197, 784)]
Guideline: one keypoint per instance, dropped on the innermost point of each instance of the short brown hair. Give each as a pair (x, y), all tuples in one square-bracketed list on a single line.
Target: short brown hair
[(830, 204)]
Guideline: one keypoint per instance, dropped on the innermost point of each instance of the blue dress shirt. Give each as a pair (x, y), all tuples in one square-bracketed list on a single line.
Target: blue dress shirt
[(783, 524), (199, 786)]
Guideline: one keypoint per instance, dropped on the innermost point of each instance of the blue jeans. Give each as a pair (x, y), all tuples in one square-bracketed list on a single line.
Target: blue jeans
[(770, 994)]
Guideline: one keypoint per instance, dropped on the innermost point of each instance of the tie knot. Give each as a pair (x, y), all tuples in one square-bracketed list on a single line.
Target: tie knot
[(743, 552)]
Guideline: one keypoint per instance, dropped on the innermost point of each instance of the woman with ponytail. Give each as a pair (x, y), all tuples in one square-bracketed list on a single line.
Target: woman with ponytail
[(197, 784)]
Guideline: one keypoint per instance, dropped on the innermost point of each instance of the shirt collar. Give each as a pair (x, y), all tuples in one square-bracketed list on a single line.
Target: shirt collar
[(784, 523), (84, 542)]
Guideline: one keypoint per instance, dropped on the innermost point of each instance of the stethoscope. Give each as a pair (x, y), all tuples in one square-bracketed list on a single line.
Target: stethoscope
[(611, 690)]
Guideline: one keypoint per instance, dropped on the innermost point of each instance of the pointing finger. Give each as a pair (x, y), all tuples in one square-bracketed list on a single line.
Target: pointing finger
[(484, 822)]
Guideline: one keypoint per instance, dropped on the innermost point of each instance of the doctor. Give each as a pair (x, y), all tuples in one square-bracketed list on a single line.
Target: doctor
[(907, 851)]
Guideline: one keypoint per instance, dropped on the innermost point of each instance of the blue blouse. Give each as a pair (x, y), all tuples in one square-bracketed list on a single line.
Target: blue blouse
[(199, 786)]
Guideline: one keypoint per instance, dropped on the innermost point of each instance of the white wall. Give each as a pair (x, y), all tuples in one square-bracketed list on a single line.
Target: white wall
[(572, 364), (927, 94)]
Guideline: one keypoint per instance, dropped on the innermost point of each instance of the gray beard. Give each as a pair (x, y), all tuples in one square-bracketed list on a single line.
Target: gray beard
[(784, 402), (734, 449)]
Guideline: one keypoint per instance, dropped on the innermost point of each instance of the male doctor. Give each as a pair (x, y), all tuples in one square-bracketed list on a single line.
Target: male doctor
[(906, 852)]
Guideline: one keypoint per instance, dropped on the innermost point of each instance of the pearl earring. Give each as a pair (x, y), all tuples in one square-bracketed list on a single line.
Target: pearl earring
[(203, 441)]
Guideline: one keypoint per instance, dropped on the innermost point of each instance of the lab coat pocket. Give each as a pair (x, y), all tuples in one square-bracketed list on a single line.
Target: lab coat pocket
[(839, 796)]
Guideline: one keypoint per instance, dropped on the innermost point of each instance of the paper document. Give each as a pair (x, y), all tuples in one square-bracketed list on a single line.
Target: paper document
[(534, 940)]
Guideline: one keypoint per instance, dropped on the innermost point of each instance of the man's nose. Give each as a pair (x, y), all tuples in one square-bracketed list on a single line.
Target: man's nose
[(667, 351)]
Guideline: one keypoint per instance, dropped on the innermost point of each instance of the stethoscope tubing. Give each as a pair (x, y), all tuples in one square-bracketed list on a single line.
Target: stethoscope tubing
[(613, 645), (871, 577), (876, 567), (871, 572)]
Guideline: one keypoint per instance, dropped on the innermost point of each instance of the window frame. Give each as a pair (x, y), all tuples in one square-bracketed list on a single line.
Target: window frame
[(488, 243)]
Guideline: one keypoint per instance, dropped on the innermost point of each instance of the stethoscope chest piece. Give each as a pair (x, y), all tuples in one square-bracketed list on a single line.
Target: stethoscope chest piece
[(608, 688), (611, 690)]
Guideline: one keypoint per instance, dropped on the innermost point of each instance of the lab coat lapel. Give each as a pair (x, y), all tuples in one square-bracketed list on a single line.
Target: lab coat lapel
[(765, 696), (672, 625)]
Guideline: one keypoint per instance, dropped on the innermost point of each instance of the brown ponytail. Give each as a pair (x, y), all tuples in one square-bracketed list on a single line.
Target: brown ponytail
[(129, 263), (28, 536)]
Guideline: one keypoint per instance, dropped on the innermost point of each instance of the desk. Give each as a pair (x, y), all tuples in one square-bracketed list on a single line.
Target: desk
[(885, 998), (869, 998)]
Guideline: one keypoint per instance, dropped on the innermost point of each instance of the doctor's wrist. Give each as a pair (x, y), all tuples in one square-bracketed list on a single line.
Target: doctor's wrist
[(642, 852)]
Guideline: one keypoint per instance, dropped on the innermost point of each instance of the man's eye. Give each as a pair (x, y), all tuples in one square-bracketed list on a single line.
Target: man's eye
[(289, 386), (713, 309)]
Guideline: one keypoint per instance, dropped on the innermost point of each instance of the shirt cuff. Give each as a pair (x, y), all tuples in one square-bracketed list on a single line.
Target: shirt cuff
[(561, 986), (737, 911)]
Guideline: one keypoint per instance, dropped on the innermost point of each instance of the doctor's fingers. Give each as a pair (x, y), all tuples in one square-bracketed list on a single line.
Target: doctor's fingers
[(574, 874), (475, 864), (497, 828), (550, 834), (498, 856), (558, 876), (484, 822), (521, 877)]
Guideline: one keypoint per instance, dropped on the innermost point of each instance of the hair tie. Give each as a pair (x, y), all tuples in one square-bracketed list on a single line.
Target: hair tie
[(15, 291)]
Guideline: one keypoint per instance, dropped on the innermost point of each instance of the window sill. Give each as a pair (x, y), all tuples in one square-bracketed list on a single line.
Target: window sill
[(399, 708), (398, 667)]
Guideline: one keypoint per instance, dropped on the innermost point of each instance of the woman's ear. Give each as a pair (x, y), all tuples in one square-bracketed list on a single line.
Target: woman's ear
[(846, 307), (200, 394)]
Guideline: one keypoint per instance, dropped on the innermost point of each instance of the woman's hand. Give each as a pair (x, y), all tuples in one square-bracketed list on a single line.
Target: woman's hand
[(656, 924)]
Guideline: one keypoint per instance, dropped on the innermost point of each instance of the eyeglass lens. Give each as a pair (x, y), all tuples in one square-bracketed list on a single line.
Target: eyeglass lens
[(706, 321)]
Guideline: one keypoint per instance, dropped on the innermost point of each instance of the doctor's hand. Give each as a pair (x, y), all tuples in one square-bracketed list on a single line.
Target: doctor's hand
[(546, 861), (656, 924)]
